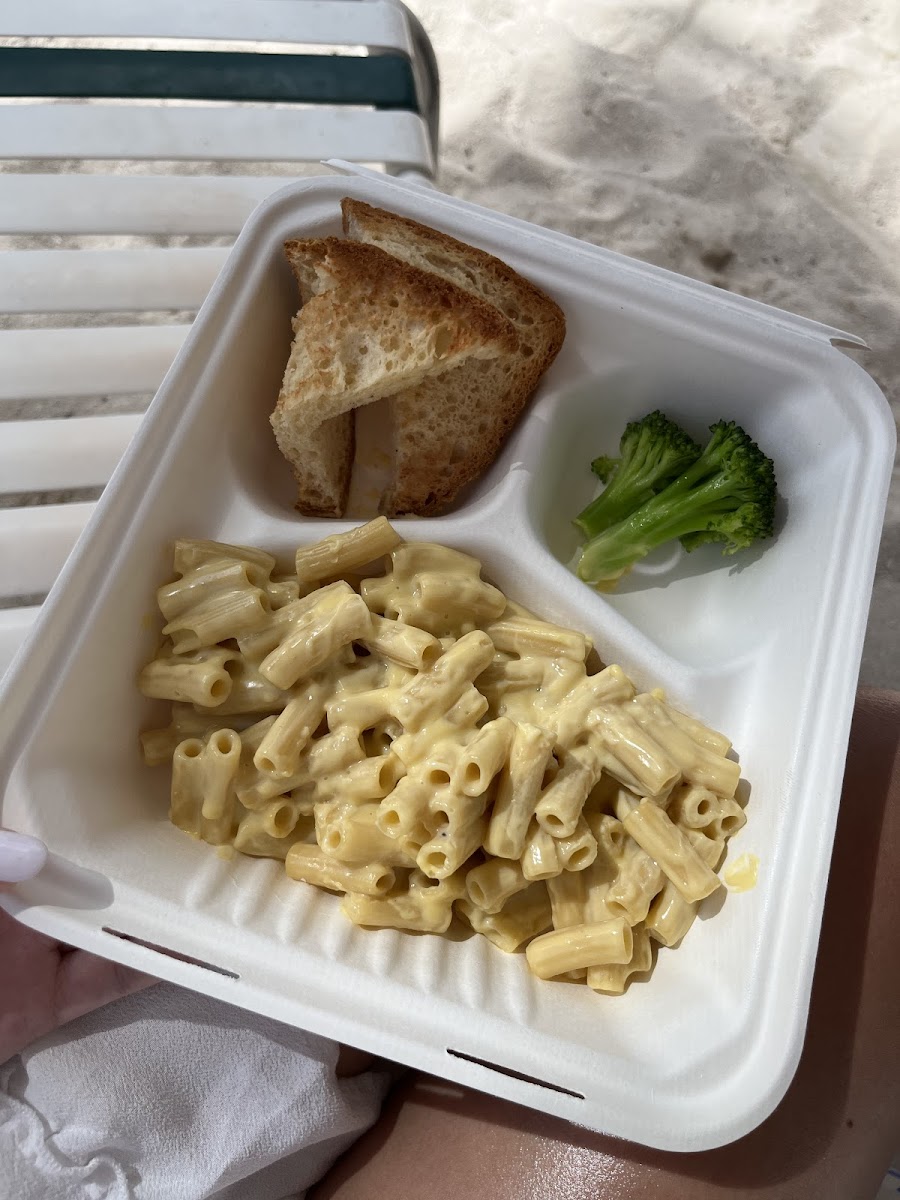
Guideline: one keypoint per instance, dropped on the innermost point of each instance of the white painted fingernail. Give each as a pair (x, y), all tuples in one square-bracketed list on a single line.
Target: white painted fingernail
[(21, 856)]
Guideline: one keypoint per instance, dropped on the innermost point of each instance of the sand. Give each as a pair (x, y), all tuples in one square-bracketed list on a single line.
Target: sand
[(754, 144)]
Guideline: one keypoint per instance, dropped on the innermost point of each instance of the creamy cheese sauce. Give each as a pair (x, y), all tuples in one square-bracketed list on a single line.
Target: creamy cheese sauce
[(742, 874)]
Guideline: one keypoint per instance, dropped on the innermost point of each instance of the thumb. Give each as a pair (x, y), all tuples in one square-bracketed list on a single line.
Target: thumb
[(21, 857)]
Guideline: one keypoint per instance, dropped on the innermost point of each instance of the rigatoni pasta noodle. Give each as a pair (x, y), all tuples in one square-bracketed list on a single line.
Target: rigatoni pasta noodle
[(431, 750)]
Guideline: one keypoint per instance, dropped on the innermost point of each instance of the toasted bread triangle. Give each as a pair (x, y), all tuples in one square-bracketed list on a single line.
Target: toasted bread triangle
[(448, 430), (370, 325)]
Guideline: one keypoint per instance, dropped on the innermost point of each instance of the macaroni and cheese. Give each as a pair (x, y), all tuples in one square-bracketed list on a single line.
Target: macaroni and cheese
[(415, 740)]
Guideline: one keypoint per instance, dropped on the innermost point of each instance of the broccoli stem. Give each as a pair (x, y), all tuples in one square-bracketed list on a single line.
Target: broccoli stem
[(603, 511), (682, 508)]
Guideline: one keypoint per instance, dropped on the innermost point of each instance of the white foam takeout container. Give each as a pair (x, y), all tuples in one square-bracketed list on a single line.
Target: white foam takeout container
[(765, 647)]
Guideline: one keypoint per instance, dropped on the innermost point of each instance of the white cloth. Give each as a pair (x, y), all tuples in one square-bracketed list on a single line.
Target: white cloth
[(167, 1095)]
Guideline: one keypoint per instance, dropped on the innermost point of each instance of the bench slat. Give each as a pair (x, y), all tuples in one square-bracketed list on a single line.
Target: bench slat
[(40, 363), (143, 204), (34, 544), (45, 456), (248, 133), (107, 280), (372, 23), (377, 80)]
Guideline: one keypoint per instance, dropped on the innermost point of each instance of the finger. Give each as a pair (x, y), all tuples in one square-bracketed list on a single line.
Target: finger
[(85, 982), (21, 857)]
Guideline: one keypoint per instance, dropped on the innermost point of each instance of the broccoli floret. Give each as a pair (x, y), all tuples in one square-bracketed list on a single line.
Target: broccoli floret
[(726, 495), (652, 452), (604, 466)]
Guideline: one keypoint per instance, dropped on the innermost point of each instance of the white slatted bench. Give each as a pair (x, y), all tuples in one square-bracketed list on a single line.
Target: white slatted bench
[(134, 142)]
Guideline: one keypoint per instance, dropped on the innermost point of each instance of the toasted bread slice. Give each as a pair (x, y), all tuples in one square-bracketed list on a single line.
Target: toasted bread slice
[(371, 325), (447, 431)]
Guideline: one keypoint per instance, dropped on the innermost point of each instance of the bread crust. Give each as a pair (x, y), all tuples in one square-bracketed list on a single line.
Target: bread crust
[(491, 279), (439, 452), (371, 325), (372, 272)]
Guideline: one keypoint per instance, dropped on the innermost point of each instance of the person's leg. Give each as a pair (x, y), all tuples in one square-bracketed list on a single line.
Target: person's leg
[(832, 1136)]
